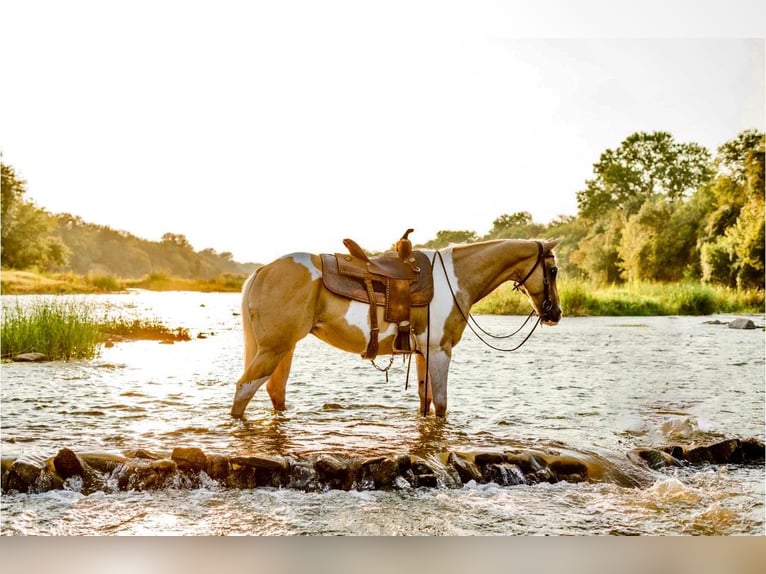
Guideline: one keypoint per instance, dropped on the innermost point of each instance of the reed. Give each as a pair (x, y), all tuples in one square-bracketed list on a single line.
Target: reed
[(68, 329), (57, 328), (580, 298)]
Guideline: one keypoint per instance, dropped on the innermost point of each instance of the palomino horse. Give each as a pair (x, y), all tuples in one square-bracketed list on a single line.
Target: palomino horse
[(284, 301)]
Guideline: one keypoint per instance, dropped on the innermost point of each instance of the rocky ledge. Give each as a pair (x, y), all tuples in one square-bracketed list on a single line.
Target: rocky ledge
[(190, 467)]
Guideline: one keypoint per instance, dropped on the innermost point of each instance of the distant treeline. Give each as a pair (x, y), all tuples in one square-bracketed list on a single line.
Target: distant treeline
[(655, 210), (34, 239)]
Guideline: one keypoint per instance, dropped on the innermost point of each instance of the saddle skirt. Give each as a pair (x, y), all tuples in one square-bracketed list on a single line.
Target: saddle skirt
[(344, 275)]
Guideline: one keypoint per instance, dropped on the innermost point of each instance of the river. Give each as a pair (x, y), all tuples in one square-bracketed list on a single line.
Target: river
[(601, 386)]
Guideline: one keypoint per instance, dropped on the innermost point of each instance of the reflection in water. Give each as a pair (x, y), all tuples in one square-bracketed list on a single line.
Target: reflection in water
[(606, 386), (269, 435), (431, 437)]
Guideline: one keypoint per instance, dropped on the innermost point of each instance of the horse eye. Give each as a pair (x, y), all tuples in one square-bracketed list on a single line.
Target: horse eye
[(554, 271)]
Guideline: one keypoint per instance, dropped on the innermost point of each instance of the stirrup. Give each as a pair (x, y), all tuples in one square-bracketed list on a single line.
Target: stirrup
[(401, 342)]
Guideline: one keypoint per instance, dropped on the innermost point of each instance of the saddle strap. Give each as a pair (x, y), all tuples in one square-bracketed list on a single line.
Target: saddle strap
[(372, 346)]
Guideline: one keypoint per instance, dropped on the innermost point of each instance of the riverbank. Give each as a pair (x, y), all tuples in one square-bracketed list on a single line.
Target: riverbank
[(578, 298), (13, 282)]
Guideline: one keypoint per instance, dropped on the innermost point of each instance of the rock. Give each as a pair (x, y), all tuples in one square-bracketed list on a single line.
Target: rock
[(217, 466), (482, 458), (466, 469), (725, 452), (68, 464), (144, 474), (144, 470), (504, 474), (254, 471), (22, 476), (568, 468), (189, 459), (426, 480), (752, 451), (379, 471), (333, 472), (741, 323), (527, 462), (142, 453), (655, 459), (697, 454), (303, 476), (102, 462), (30, 358)]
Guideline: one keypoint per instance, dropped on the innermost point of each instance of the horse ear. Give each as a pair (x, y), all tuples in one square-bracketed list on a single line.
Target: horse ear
[(550, 244)]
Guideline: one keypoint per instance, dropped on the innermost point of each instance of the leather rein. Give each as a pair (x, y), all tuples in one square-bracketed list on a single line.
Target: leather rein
[(548, 275)]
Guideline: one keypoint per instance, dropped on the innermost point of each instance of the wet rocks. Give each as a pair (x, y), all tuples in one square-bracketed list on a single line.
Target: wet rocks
[(30, 358), (741, 323), (728, 451), (190, 467)]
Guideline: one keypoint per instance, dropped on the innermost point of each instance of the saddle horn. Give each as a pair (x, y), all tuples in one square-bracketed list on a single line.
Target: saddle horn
[(404, 246)]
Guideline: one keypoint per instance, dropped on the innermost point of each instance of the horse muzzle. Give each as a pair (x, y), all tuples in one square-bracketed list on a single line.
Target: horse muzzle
[(551, 315)]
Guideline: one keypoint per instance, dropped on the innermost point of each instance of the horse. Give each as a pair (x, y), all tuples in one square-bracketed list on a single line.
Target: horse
[(285, 301)]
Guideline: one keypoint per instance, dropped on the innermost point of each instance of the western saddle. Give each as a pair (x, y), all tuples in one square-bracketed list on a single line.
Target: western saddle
[(396, 280)]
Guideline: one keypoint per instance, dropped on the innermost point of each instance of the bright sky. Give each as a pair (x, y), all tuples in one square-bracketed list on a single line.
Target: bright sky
[(267, 127)]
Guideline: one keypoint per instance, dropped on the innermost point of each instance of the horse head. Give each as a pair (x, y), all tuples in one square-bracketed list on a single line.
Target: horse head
[(539, 284)]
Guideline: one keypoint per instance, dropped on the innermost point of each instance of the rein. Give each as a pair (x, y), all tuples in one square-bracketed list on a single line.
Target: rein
[(471, 321)]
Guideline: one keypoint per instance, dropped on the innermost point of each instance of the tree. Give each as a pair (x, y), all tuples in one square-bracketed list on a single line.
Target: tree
[(732, 241), (518, 225), (446, 238), (26, 229), (645, 164), (659, 242)]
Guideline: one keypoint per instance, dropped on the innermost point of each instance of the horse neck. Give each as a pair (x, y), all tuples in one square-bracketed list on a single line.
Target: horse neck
[(482, 267)]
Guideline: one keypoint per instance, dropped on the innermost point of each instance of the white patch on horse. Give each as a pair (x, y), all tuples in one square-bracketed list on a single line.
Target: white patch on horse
[(305, 260), (358, 314), (442, 303)]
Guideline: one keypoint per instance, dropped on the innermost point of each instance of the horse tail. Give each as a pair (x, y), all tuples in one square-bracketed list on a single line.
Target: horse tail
[(251, 345)]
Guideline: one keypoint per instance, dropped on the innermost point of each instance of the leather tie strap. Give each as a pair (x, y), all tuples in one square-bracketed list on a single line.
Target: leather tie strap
[(372, 346)]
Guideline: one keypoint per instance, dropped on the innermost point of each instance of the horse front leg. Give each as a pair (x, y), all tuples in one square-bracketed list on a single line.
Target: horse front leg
[(433, 387)]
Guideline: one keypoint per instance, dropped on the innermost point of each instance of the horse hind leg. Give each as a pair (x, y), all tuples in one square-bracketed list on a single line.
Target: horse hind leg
[(278, 381), (256, 374)]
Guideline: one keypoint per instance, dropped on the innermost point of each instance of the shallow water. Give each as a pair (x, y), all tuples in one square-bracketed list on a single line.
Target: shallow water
[(599, 386)]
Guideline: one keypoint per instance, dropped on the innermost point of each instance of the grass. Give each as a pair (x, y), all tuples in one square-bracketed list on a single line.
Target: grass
[(14, 282), (68, 329), (59, 329), (639, 299)]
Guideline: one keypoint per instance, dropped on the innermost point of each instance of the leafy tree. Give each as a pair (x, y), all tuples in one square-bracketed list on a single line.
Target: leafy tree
[(445, 238), (517, 225), (659, 242), (731, 243), (26, 229), (572, 230), (645, 164), (597, 253)]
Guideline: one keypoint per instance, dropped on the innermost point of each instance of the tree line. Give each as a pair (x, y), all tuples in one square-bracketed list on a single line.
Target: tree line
[(32, 238), (658, 210), (655, 210)]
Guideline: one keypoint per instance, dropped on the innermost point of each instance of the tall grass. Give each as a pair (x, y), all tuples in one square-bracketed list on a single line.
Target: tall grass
[(64, 329), (57, 328), (580, 298)]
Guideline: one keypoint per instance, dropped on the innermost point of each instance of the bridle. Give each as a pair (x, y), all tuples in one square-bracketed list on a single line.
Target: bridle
[(549, 275)]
